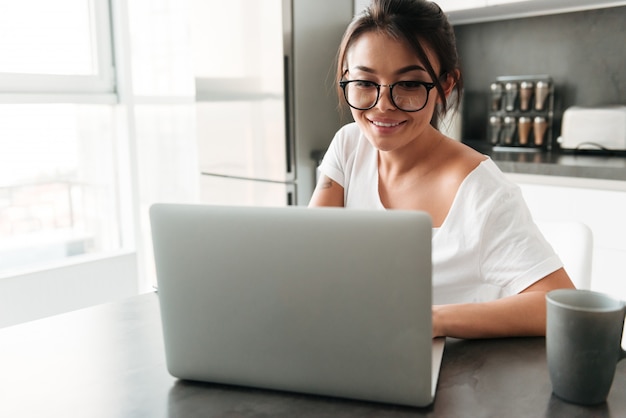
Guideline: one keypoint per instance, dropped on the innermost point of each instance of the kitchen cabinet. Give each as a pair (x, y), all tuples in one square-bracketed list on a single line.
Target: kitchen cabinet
[(455, 5), (600, 204), (462, 12), (475, 11)]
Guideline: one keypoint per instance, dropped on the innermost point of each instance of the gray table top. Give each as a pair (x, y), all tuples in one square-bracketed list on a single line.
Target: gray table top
[(108, 361)]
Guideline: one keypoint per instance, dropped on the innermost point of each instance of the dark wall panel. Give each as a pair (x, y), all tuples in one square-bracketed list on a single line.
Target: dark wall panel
[(584, 52)]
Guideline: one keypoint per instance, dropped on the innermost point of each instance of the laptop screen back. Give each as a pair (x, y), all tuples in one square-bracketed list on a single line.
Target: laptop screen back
[(325, 301)]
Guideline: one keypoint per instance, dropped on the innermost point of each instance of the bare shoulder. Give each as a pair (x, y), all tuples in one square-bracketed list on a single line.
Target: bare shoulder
[(454, 161), (461, 159)]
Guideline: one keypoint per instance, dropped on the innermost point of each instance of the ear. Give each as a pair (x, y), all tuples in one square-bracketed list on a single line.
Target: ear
[(449, 83)]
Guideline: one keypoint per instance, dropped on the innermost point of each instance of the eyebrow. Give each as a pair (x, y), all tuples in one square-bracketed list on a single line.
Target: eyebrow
[(402, 70)]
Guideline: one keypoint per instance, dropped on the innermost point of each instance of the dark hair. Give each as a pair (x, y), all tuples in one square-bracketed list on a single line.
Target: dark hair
[(419, 23)]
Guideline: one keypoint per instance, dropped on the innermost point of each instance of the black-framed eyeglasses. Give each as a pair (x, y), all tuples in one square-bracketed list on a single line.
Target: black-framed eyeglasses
[(408, 96)]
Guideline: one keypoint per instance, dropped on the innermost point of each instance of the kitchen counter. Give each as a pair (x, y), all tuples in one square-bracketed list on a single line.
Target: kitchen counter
[(562, 164), (555, 164)]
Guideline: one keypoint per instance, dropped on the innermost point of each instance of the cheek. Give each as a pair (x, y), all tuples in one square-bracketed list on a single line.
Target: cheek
[(357, 115), (434, 100)]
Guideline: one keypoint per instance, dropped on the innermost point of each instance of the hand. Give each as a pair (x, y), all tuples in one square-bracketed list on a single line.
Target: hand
[(437, 327)]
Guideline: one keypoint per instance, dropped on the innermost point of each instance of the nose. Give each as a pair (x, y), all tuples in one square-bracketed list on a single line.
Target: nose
[(384, 98)]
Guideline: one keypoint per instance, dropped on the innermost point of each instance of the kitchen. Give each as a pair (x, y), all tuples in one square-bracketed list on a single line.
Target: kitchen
[(583, 54), (581, 50), (590, 188)]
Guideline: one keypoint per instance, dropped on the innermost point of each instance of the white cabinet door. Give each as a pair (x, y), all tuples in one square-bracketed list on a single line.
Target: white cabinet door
[(446, 5), (604, 211), (450, 5), (475, 11)]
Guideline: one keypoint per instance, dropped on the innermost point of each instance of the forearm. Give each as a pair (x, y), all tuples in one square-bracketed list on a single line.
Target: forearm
[(519, 315)]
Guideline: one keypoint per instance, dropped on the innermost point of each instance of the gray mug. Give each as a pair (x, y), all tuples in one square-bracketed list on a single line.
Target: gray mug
[(583, 343)]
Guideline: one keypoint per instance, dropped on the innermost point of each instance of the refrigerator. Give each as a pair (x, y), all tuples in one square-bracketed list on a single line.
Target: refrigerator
[(265, 96)]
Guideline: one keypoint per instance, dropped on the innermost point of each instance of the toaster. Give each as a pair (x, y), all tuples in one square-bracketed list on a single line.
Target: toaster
[(594, 128)]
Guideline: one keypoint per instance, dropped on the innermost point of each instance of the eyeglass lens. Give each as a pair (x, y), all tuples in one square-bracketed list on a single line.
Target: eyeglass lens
[(407, 96)]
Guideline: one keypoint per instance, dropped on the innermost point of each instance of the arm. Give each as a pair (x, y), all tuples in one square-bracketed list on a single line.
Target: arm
[(327, 193), (519, 315)]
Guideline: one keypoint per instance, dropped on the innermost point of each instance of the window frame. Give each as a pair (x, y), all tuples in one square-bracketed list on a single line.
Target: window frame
[(36, 86)]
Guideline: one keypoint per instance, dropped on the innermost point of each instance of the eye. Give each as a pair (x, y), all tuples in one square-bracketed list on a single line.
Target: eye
[(363, 84), (410, 85)]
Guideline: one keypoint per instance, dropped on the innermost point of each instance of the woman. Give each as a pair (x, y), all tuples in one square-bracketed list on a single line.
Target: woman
[(397, 67)]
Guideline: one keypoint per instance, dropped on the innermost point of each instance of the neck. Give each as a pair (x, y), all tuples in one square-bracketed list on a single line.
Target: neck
[(417, 158)]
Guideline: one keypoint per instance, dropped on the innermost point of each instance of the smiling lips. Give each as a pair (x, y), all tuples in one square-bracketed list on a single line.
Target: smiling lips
[(386, 124)]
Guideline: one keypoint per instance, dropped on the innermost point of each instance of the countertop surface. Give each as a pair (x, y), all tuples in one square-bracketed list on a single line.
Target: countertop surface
[(109, 361), (557, 163)]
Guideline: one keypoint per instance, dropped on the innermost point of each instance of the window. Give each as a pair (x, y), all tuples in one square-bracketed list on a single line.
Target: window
[(58, 178), (60, 46), (163, 111)]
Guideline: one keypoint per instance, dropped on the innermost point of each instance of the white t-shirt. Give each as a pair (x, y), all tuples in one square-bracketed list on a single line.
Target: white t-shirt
[(488, 246)]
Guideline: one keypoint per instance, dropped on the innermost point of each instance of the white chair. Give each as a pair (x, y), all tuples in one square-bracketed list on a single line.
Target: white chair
[(573, 242)]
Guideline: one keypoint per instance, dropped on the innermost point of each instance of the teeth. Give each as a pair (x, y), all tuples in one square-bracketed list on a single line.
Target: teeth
[(385, 125)]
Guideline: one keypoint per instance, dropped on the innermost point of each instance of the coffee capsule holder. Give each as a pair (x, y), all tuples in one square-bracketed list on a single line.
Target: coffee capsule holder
[(521, 113)]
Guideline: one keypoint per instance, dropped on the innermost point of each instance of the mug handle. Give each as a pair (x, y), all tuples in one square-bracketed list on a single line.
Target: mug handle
[(622, 352)]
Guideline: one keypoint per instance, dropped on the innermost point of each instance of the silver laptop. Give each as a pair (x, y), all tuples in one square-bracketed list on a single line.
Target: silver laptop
[(325, 301)]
